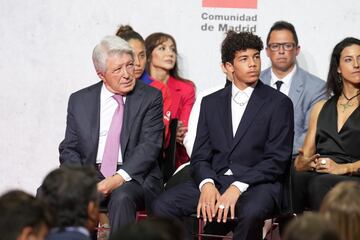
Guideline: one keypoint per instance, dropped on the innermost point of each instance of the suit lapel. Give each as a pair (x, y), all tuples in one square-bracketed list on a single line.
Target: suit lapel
[(297, 87), (254, 105), (266, 76), (93, 109), (132, 106), (225, 116)]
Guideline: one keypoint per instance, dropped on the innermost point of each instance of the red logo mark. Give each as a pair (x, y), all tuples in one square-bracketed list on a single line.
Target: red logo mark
[(230, 3)]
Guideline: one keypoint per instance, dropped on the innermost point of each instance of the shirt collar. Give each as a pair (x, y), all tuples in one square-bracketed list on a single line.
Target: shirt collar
[(247, 91), (106, 94), (286, 80)]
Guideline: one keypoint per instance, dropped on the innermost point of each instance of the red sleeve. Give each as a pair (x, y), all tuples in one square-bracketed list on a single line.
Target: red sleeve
[(166, 107), (189, 99)]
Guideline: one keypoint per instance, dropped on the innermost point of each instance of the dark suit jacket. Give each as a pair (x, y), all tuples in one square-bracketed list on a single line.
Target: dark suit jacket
[(141, 136), (261, 149)]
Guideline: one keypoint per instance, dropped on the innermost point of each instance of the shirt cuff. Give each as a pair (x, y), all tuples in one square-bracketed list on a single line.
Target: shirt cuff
[(206, 180), (241, 186), (124, 175)]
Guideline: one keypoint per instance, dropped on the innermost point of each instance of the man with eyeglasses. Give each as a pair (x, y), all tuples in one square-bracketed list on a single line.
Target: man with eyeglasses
[(303, 88)]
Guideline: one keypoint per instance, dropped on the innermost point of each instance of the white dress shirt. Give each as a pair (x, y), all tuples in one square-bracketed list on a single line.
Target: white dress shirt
[(108, 106), (239, 101), (285, 87)]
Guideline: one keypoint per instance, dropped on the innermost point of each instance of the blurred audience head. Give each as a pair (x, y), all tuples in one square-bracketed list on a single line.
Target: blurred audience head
[(71, 193), (23, 217), (151, 229), (161, 52), (336, 75), (341, 206), (310, 226), (137, 43)]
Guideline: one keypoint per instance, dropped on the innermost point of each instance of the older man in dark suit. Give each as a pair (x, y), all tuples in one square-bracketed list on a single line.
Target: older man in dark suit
[(116, 125), (242, 148)]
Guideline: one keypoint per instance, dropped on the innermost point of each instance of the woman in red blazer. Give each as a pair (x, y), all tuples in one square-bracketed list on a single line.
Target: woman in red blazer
[(162, 66), (137, 43)]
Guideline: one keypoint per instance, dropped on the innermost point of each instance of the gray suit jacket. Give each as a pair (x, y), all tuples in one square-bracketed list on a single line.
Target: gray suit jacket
[(305, 90), (141, 135)]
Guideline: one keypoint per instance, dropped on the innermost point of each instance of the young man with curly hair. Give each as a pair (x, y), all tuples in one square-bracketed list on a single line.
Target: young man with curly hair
[(242, 148)]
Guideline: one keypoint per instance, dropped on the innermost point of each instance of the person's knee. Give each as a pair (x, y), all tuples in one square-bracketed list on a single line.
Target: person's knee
[(251, 215), (121, 199), (314, 186), (159, 206)]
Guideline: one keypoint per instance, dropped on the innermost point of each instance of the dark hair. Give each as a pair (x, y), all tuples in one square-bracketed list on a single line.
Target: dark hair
[(68, 192), (282, 25), (310, 226), (19, 210), (334, 83), (238, 41), (151, 229), (154, 40), (127, 33)]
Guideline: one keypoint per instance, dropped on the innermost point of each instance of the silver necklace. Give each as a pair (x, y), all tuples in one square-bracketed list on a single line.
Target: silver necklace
[(238, 102)]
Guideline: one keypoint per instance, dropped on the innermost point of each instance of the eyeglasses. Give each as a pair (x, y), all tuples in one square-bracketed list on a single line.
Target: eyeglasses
[(286, 46)]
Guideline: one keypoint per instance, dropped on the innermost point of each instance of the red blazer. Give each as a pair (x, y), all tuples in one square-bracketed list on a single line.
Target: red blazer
[(166, 106), (182, 99)]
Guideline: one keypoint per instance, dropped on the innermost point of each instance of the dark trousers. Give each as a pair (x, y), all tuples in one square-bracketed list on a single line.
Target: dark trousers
[(253, 207), (123, 203), (126, 200), (309, 188)]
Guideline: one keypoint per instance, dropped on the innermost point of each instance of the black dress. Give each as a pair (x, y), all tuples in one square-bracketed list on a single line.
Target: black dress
[(309, 188)]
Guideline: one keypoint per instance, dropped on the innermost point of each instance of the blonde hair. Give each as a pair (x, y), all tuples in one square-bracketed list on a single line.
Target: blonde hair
[(341, 206)]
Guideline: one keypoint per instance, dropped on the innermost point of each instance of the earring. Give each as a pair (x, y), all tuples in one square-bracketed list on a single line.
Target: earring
[(340, 79)]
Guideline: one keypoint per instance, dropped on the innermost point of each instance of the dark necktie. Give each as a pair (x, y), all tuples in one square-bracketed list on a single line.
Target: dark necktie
[(112, 145), (278, 84)]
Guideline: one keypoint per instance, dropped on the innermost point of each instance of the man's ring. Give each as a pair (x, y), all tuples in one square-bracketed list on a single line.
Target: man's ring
[(221, 206), (323, 162)]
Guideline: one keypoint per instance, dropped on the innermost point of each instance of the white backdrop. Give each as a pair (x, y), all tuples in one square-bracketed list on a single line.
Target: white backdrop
[(46, 45)]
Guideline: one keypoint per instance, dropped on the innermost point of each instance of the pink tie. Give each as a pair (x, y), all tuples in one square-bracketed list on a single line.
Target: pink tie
[(112, 146)]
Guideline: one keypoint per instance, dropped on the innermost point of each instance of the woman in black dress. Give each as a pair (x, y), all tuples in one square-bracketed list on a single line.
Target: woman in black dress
[(331, 150)]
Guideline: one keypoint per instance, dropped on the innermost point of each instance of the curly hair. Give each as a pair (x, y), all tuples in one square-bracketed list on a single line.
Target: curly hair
[(234, 42), (334, 83)]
